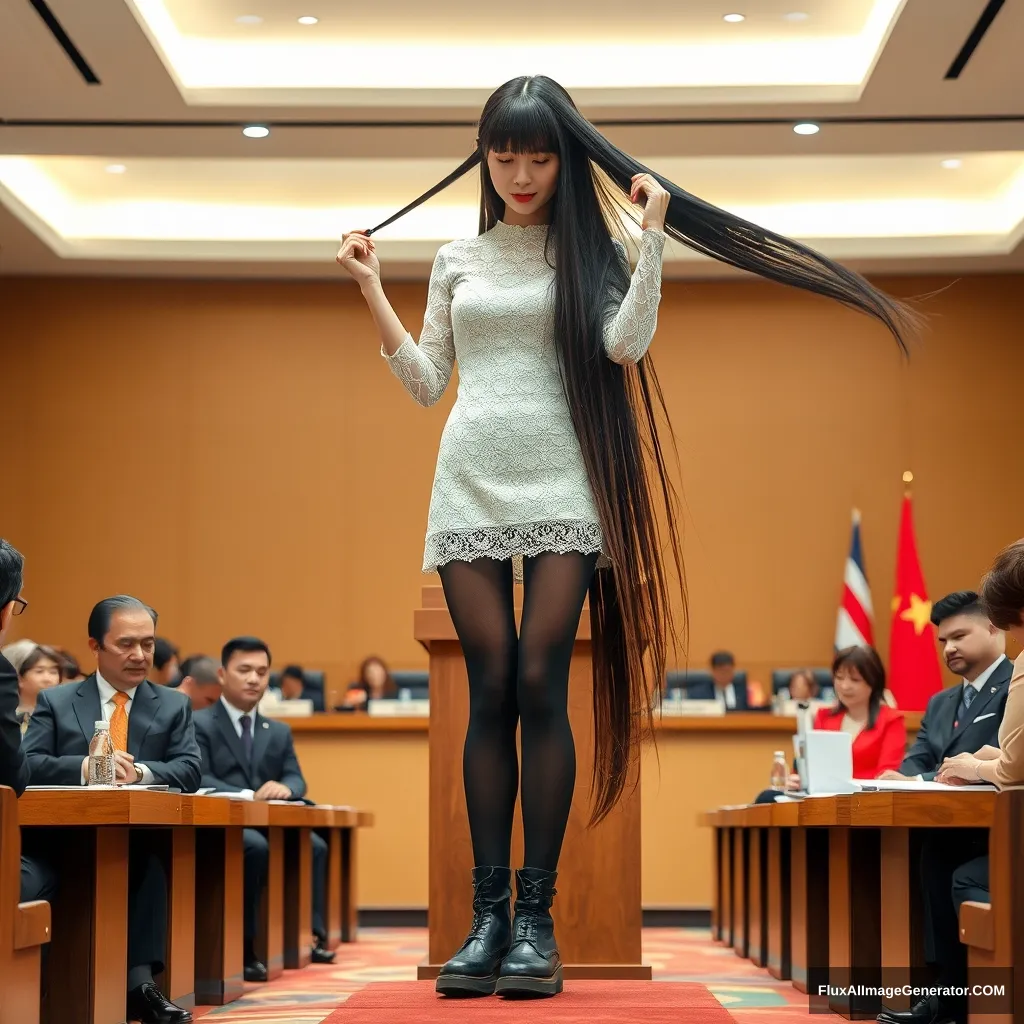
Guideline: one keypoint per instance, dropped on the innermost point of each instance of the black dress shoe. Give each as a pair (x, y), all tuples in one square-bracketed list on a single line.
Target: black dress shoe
[(473, 970), (533, 966), (926, 1011), (148, 1005), (321, 954), (255, 970)]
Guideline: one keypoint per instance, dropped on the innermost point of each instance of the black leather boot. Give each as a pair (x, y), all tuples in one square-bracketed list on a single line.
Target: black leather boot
[(533, 966), (473, 971)]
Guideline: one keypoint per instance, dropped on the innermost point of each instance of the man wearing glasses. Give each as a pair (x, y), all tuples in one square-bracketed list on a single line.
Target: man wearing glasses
[(155, 743), (13, 766)]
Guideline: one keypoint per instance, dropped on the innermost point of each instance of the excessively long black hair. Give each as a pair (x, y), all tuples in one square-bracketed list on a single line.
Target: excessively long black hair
[(632, 625)]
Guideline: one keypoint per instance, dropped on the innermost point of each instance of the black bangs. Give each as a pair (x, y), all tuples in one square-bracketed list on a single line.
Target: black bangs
[(519, 124)]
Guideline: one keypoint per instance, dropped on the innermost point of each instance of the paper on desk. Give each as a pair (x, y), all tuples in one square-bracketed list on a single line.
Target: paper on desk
[(79, 789), (915, 786), (232, 796)]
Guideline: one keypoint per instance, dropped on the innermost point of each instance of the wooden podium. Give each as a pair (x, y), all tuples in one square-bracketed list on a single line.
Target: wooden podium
[(596, 910)]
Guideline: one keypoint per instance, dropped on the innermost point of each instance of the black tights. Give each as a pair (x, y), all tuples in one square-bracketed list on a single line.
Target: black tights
[(518, 680)]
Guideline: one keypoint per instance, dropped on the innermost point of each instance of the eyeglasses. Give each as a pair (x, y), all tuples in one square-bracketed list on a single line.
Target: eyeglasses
[(20, 604)]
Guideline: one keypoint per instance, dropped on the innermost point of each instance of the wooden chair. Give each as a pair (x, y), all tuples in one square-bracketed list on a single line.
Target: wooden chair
[(994, 931), (24, 927)]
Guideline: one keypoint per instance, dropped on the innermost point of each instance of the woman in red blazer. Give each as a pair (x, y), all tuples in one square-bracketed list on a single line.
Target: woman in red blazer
[(879, 731)]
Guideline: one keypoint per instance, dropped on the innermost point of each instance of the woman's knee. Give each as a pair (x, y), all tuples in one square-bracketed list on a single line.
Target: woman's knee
[(492, 685), (540, 692)]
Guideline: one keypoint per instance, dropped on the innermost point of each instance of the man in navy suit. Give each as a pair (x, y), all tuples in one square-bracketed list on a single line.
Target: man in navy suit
[(723, 688), (960, 719), (159, 747), (243, 752)]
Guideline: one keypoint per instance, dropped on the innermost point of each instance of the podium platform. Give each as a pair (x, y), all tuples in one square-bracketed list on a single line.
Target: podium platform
[(597, 910)]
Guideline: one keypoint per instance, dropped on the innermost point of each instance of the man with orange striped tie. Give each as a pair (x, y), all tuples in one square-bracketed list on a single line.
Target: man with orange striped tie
[(155, 743)]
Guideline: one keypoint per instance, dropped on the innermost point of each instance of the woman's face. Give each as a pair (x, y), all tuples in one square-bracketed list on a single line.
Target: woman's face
[(851, 688), (800, 687), (375, 676), (42, 675), (526, 182), (291, 687)]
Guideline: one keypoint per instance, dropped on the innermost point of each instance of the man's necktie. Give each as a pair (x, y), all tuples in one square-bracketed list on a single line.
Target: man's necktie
[(247, 737), (966, 697), (119, 722)]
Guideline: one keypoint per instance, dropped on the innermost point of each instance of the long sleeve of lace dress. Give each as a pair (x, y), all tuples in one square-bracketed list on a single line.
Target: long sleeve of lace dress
[(629, 329), (426, 368)]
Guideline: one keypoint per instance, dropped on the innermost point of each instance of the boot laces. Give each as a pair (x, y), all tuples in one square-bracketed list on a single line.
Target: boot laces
[(531, 905), (481, 911)]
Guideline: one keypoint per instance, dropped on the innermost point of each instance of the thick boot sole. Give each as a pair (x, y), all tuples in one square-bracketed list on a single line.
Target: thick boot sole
[(524, 987), (465, 985)]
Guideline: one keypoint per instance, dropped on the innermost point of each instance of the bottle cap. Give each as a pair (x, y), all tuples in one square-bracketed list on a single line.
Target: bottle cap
[(102, 725), (780, 753)]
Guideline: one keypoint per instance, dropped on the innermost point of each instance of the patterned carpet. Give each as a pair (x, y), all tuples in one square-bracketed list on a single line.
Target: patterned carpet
[(391, 954)]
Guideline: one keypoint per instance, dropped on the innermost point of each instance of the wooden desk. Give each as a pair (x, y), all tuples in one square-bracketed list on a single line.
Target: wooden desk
[(89, 950), (853, 884), (205, 910)]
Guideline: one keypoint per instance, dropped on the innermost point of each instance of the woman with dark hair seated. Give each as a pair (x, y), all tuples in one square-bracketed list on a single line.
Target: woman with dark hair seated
[(375, 683), (37, 671), (879, 732), (802, 685)]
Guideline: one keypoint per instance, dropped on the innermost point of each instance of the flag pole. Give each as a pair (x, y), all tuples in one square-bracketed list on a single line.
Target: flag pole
[(908, 479)]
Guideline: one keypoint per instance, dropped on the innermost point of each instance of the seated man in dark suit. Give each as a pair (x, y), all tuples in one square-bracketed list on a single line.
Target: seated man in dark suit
[(155, 743), (243, 752), (724, 688), (13, 766), (961, 719)]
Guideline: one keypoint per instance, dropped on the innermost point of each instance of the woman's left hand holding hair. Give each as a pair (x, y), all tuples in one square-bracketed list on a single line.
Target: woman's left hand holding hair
[(655, 202)]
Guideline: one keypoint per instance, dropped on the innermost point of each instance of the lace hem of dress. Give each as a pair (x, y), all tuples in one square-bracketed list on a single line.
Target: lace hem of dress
[(515, 543)]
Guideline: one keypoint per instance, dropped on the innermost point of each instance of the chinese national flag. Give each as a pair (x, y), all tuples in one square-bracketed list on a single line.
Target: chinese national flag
[(914, 673)]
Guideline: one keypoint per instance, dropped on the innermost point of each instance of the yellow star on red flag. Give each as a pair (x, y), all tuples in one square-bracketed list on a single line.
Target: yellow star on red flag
[(919, 613)]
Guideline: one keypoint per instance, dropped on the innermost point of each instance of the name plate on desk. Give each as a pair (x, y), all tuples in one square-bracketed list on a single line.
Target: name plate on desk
[(391, 708), (691, 708), (298, 708)]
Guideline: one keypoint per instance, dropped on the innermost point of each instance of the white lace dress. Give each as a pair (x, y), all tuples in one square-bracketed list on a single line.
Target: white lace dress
[(510, 479)]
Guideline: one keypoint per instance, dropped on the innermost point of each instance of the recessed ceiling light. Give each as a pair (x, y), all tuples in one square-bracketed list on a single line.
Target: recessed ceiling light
[(734, 18), (308, 19), (806, 128), (115, 168), (249, 19), (952, 165), (256, 131), (796, 16)]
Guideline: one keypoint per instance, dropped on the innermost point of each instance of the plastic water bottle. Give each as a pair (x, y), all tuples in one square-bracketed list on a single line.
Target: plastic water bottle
[(405, 695), (780, 772), (101, 756)]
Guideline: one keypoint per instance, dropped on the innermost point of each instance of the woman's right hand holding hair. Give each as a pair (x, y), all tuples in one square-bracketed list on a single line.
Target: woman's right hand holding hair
[(358, 258)]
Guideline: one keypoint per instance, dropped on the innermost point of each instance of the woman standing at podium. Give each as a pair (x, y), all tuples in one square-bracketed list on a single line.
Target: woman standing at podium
[(549, 473)]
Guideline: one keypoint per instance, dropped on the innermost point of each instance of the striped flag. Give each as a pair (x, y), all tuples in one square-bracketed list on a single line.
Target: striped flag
[(853, 624)]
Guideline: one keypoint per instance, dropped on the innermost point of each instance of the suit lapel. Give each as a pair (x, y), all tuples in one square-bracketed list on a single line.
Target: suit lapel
[(141, 718), (233, 740), (87, 707), (260, 740), (948, 717), (988, 693)]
